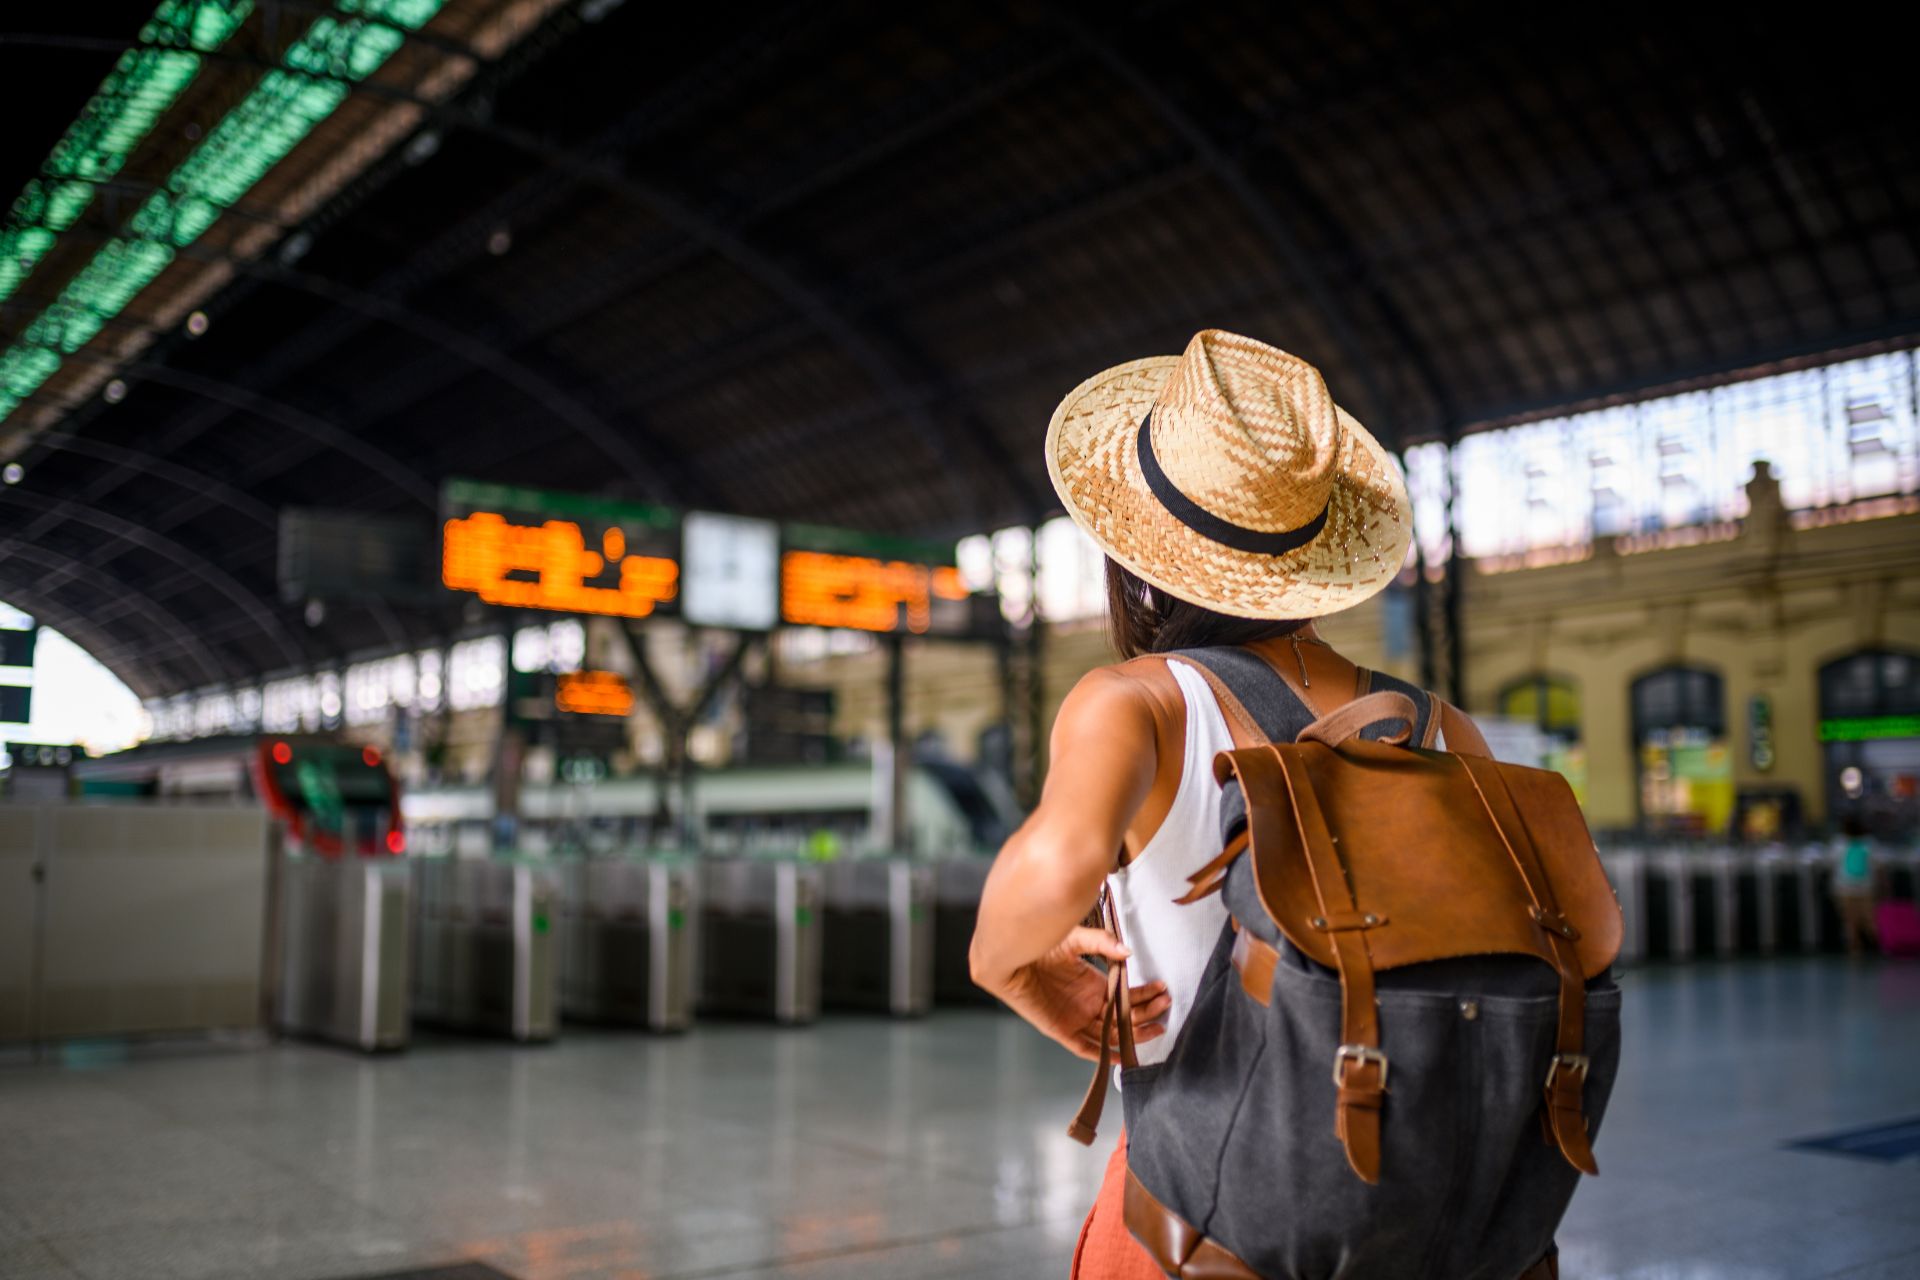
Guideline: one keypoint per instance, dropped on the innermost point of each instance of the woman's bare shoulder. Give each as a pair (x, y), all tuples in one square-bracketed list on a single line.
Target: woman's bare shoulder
[(1138, 684)]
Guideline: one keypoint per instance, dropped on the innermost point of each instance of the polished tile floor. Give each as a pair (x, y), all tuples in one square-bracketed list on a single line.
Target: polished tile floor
[(863, 1148)]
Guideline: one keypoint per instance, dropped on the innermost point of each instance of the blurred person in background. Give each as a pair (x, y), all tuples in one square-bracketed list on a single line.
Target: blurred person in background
[(1853, 886)]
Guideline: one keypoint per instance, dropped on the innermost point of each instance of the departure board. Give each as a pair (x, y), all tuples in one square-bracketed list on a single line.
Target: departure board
[(837, 578), (532, 549), (593, 693), (571, 553)]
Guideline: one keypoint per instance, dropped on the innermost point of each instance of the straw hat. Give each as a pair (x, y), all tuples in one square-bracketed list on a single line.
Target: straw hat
[(1228, 477)]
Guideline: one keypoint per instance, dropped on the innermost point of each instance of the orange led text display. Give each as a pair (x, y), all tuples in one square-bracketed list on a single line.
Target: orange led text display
[(862, 593), (594, 693), (550, 566)]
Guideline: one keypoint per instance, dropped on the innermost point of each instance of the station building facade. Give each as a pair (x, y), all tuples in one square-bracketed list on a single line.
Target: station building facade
[(1713, 680)]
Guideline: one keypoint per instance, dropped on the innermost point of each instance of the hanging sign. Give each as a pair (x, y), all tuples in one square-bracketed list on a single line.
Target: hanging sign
[(593, 693), (836, 578), (532, 549)]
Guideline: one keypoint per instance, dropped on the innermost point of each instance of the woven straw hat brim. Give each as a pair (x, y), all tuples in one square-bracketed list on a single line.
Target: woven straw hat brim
[(1092, 456)]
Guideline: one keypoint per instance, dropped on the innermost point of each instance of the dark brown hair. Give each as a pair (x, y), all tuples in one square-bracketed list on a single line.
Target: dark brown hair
[(1141, 618)]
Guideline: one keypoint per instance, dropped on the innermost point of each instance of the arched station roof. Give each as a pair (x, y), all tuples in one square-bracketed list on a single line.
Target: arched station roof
[(837, 262)]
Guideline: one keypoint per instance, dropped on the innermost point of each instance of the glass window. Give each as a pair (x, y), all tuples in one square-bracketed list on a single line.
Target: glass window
[(1834, 435)]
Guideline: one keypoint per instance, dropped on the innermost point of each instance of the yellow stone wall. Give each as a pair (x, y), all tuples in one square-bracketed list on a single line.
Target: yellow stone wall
[(1765, 607)]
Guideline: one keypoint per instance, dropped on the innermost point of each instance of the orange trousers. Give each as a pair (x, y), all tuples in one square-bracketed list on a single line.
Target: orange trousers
[(1107, 1250)]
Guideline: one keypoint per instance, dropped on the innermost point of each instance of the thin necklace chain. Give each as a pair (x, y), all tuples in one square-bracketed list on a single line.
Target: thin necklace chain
[(1301, 658)]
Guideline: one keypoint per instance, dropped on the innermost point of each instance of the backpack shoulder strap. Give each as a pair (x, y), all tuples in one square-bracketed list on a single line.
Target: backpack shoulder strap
[(1253, 690)]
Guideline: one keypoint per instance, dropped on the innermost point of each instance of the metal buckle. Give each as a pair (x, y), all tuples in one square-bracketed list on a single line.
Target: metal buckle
[(1573, 1062), (1358, 1053)]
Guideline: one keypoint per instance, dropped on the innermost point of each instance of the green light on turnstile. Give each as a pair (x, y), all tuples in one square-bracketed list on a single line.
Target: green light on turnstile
[(1869, 728), (143, 84), (540, 922), (286, 105), (675, 917), (803, 915)]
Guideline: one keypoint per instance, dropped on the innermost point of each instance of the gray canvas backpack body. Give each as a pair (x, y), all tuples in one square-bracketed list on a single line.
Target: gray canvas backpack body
[(1408, 1028)]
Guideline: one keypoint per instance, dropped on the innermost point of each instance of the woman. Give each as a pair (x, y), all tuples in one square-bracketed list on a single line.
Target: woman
[(1236, 503)]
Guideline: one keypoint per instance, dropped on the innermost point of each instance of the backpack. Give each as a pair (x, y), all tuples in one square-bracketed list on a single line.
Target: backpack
[(1408, 1030)]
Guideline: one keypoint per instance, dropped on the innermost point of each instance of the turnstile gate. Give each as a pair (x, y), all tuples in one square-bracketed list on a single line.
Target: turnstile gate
[(627, 941), (759, 938), (1627, 869), (957, 883), (877, 939), (343, 928), (483, 955)]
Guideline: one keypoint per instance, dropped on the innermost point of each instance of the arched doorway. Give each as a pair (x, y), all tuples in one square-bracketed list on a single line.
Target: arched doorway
[(1551, 703), (1680, 749), (1870, 739)]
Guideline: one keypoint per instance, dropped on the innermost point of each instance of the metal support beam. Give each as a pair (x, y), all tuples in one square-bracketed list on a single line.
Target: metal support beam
[(899, 752)]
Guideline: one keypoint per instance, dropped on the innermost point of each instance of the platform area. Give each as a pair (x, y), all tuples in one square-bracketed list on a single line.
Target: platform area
[(863, 1148)]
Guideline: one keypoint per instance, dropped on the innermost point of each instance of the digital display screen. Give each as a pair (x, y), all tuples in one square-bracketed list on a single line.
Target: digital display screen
[(732, 570), (573, 553), (593, 693), (863, 594), (531, 549)]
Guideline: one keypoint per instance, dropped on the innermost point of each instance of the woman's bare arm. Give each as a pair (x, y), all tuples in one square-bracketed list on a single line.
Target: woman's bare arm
[(1048, 874)]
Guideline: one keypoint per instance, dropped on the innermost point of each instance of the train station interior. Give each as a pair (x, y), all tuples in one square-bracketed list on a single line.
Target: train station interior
[(535, 586)]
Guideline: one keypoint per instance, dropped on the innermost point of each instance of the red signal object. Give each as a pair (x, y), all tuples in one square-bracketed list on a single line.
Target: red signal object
[(282, 753), (396, 842), (371, 755)]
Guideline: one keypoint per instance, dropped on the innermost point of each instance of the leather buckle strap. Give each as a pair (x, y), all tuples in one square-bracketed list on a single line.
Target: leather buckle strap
[(1574, 1064), (1361, 1053), (1565, 1094), (1116, 1024), (1356, 1116)]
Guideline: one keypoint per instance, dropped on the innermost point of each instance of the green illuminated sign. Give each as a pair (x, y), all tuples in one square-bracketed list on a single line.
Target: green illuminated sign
[(1869, 728), (465, 496), (143, 84), (852, 542), (282, 109)]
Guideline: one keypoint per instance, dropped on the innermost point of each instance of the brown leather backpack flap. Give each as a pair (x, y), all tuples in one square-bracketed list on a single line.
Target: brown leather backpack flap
[(1431, 875), (1550, 817)]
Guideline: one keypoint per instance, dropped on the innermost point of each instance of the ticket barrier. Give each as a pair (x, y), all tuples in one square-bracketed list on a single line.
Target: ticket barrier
[(1824, 929), (957, 883), (1716, 918), (1627, 871), (343, 926), (484, 956), (759, 944), (627, 941), (877, 939)]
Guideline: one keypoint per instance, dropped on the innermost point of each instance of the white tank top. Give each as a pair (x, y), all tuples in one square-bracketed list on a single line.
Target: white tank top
[(1171, 943)]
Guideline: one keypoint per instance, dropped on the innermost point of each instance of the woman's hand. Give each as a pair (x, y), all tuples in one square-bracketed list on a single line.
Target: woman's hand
[(1064, 996)]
